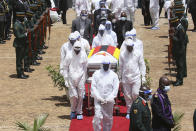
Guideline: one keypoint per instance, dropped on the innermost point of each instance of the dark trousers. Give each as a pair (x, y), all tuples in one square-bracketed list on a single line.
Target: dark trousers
[(194, 120), (7, 25), (19, 60), (180, 66), (161, 6), (64, 19), (2, 30), (193, 14), (146, 14), (26, 57)]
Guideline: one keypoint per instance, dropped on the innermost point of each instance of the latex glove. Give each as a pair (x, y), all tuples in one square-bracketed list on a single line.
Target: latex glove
[(66, 84), (143, 80), (103, 101)]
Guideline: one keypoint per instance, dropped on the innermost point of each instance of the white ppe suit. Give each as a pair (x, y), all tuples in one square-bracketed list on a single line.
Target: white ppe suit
[(117, 7), (66, 51), (111, 33), (84, 42), (104, 89), (131, 6), (76, 66), (167, 6), (103, 40), (154, 12), (95, 4), (132, 68), (82, 5), (138, 44)]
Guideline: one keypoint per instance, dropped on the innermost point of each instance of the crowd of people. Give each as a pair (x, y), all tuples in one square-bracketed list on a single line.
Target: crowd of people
[(104, 23), (111, 23), (30, 20)]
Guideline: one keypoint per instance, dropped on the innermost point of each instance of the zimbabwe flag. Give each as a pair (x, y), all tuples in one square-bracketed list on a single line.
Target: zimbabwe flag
[(115, 52)]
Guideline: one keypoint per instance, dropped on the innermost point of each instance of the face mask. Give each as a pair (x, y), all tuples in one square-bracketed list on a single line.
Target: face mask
[(77, 52), (130, 48), (101, 32), (123, 18), (167, 88), (108, 27), (106, 67), (83, 17)]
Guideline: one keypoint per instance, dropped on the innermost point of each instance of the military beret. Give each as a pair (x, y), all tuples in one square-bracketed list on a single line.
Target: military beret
[(173, 20), (20, 14)]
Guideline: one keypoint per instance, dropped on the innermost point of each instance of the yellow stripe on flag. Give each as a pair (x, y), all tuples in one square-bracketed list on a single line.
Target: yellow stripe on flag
[(91, 53), (116, 53)]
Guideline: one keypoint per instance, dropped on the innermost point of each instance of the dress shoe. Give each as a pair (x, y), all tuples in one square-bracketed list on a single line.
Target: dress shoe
[(39, 58), (28, 70), (2, 42), (41, 52), (178, 83), (25, 75), (35, 63), (45, 47), (185, 75), (22, 76)]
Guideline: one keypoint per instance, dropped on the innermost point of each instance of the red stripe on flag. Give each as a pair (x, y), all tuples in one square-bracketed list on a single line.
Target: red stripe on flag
[(97, 49), (111, 50)]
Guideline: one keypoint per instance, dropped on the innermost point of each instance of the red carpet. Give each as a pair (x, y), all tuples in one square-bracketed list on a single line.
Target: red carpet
[(120, 123)]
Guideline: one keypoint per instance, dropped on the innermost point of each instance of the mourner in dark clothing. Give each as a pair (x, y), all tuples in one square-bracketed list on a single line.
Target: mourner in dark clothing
[(146, 12), (64, 6), (82, 24), (123, 25), (2, 22), (99, 15), (194, 120), (140, 116), (192, 10), (162, 118)]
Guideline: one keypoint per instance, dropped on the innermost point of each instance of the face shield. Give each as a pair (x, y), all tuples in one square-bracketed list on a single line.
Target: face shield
[(147, 94), (108, 26)]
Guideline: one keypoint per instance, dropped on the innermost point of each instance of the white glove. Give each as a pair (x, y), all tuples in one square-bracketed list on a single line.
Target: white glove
[(103, 101), (143, 80), (66, 84), (26, 34)]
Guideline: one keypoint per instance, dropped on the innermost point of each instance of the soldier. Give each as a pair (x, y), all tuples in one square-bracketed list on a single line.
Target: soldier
[(162, 119), (20, 34), (28, 45), (184, 22), (194, 120), (140, 113), (34, 23), (2, 22), (178, 49), (8, 21)]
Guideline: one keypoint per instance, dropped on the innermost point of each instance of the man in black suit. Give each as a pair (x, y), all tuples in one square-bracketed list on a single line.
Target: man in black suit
[(100, 14), (123, 25), (82, 24), (192, 10), (64, 5)]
